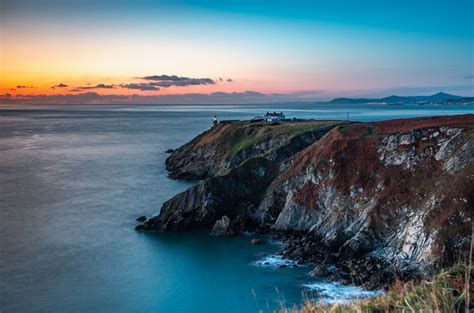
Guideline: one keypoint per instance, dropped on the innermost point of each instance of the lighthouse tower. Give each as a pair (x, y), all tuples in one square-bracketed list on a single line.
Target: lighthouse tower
[(214, 121)]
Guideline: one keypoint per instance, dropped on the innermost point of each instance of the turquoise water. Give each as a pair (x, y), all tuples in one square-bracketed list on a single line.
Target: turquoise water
[(72, 181)]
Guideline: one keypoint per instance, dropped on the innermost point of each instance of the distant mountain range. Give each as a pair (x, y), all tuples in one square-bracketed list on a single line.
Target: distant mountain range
[(439, 97)]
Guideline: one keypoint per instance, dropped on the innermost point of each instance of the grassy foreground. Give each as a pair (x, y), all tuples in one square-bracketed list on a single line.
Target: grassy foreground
[(449, 291)]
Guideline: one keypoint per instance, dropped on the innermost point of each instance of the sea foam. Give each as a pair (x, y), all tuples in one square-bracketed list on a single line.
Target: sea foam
[(333, 292), (276, 261)]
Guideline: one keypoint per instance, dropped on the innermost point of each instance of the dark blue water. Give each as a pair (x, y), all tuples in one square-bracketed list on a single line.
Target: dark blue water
[(72, 181)]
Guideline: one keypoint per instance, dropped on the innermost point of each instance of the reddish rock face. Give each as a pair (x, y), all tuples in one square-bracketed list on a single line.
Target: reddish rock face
[(400, 189)]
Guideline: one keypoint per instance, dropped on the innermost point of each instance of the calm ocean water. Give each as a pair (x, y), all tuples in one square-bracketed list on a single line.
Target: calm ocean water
[(72, 181)]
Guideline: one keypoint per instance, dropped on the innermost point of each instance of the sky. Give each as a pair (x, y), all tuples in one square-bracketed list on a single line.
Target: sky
[(233, 51)]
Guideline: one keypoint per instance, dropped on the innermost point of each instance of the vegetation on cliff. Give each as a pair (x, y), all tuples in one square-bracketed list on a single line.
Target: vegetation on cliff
[(449, 291), (229, 144)]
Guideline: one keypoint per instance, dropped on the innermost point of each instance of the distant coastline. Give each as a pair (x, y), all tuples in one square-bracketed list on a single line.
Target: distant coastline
[(222, 98), (440, 98)]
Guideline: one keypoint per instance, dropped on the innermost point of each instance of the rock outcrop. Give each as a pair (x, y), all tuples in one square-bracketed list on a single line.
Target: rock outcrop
[(229, 144), (222, 227), (234, 195), (373, 200)]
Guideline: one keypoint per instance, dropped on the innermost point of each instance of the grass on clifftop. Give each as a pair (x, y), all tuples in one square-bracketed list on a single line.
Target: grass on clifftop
[(264, 131), (449, 291)]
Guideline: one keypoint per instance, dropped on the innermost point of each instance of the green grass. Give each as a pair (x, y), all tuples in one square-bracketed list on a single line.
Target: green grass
[(260, 133), (449, 291), (236, 144)]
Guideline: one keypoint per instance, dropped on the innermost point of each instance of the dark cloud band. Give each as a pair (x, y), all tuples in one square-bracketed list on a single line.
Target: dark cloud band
[(98, 86), (141, 86), (23, 87), (59, 86), (174, 80), (153, 83)]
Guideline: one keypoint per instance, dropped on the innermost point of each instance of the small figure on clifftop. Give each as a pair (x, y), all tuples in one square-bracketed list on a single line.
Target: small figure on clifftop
[(214, 121)]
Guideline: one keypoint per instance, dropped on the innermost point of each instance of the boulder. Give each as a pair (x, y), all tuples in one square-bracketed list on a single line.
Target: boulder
[(140, 227), (141, 218), (222, 227), (256, 241)]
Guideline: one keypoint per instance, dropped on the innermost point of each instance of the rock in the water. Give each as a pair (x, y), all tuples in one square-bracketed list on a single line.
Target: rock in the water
[(170, 151), (141, 218), (256, 241), (222, 227), (140, 227)]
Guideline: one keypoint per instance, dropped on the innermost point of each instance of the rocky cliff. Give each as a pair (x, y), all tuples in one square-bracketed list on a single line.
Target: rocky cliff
[(229, 144), (397, 193), (235, 194), (373, 200)]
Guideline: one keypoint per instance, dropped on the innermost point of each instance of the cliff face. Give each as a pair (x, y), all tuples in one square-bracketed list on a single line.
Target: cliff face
[(229, 144), (235, 194), (399, 192)]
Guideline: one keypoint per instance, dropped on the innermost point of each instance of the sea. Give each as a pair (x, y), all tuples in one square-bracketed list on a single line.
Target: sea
[(73, 179)]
